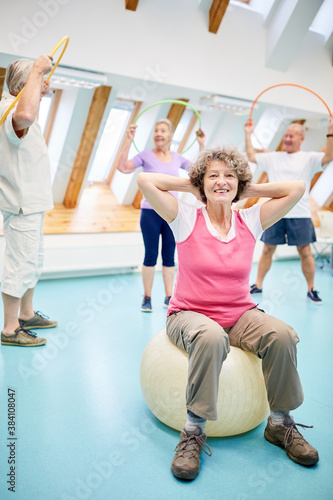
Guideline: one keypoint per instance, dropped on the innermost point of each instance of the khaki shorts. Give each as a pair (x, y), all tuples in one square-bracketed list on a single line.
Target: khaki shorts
[(24, 252)]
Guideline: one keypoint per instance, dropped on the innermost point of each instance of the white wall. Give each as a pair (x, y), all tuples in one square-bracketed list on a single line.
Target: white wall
[(161, 51), (166, 42)]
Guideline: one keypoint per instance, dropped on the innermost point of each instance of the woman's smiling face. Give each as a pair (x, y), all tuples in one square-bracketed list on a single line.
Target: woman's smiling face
[(220, 183), (162, 135)]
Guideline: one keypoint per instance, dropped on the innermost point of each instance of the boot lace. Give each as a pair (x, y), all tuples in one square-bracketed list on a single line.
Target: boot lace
[(28, 332), (185, 443), (293, 432), (41, 315)]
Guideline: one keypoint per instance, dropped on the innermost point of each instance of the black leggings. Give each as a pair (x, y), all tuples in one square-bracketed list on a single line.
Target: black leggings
[(152, 226)]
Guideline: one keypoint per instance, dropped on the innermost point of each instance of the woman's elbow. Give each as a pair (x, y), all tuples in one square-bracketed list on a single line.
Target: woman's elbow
[(141, 179), (121, 167), (297, 189), (301, 187), (126, 167)]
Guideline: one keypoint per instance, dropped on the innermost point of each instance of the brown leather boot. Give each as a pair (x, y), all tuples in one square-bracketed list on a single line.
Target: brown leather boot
[(186, 462), (288, 437)]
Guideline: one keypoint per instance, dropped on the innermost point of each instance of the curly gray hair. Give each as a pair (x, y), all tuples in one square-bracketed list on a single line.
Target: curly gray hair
[(231, 157)]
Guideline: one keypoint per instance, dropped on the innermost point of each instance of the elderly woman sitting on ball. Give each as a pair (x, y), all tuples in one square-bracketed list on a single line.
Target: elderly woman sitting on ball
[(211, 307)]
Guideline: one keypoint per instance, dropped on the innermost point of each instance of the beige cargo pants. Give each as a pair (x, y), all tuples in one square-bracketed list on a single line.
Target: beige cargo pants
[(208, 344)]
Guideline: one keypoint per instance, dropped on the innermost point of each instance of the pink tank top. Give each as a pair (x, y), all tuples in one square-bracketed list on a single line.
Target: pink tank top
[(213, 275)]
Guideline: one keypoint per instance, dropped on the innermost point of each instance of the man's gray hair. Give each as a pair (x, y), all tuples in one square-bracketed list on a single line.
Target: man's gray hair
[(17, 74), (299, 128)]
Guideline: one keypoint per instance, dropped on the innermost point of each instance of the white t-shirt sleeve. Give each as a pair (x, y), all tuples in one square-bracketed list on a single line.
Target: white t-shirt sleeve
[(251, 217), (263, 161), (182, 226), (315, 161), (9, 129)]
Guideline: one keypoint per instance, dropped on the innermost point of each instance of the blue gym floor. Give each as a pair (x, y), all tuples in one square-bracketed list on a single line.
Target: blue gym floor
[(84, 431)]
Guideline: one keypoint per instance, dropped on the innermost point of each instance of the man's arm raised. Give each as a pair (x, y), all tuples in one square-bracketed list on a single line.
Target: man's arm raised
[(250, 152)]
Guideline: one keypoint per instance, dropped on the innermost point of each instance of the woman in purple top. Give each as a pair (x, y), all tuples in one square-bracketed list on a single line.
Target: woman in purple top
[(163, 161)]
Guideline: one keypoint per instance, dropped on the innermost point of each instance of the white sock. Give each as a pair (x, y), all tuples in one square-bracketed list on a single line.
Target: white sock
[(194, 420), (277, 417)]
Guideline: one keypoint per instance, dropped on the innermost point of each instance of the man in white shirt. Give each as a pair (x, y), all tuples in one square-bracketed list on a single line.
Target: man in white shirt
[(296, 227), (25, 194)]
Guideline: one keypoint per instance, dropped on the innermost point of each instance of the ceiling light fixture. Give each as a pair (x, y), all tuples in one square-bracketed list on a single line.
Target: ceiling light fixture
[(225, 103), (65, 76)]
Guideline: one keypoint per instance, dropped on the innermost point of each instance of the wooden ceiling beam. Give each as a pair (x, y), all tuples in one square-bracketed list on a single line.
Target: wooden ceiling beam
[(131, 4), (113, 169), (176, 112), (216, 14), (96, 111), (2, 79), (187, 133), (329, 203)]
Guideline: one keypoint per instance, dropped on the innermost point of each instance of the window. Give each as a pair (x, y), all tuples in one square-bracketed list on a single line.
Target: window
[(44, 110), (114, 130), (181, 129)]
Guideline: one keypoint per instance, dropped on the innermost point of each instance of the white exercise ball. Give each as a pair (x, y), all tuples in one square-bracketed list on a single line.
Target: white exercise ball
[(242, 401)]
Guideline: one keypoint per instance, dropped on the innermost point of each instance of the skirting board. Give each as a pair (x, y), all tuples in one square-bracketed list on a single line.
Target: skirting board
[(74, 255)]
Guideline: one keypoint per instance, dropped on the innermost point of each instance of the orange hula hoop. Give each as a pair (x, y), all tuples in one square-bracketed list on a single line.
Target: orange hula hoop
[(64, 39), (283, 85)]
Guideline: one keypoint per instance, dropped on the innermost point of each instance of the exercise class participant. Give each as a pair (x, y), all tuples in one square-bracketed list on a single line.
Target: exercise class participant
[(159, 160), (211, 307), (25, 194), (296, 228)]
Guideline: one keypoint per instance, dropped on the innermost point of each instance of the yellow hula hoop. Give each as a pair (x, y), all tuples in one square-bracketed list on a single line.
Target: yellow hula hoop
[(64, 39)]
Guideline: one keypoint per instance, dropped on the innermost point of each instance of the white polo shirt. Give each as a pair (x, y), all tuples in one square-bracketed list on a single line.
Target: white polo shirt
[(25, 179), (282, 166)]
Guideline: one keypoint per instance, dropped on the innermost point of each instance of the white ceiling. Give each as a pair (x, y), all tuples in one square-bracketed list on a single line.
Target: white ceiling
[(164, 49)]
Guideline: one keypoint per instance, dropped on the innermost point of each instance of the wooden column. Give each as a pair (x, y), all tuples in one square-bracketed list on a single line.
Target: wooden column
[(329, 203), (88, 139), (216, 14), (176, 112), (2, 79), (315, 178), (113, 169), (131, 4), (187, 133), (137, 200)]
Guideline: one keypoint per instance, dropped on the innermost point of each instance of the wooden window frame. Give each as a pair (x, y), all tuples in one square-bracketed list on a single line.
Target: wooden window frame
[(135, 112)]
